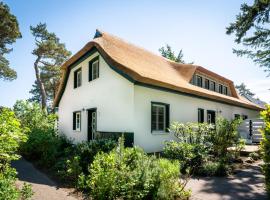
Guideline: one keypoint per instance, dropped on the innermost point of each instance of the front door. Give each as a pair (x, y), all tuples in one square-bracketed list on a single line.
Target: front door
[(92, 123)]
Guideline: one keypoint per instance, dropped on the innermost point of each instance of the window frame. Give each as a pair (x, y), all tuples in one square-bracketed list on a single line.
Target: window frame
[(77, 72), (208, 112), (77, 115), (90, 68), (166, 120), (225, 90)]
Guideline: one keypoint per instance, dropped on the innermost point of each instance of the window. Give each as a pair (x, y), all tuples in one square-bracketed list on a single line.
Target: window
[(236, 116), (201, 115), (207, 84), (78, 78), (212, 86), (77, 121), (225, 91), (211, 117), (220, 89), (159, 117), (199, 81), (94, 69), (244, 117)]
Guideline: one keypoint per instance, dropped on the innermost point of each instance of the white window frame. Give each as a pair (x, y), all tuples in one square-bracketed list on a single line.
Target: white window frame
[(197, 82), (156, 129), (78, 121), (95, 65)]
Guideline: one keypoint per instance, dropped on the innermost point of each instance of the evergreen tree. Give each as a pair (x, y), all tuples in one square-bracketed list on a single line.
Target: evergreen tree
[(243, 90), (168, 53), (9, 32), (50, 55), (251, 29)]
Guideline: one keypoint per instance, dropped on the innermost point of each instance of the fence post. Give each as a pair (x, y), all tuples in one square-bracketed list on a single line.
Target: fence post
[(250, 129)]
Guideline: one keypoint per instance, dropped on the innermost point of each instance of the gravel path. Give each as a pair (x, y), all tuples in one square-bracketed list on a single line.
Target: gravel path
[(44, 188), (247, 184)]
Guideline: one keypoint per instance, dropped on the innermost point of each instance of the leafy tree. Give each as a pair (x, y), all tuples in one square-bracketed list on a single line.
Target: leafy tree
[(243, 90), (168, 53), (251, 29), (50, 54), (9, 32)]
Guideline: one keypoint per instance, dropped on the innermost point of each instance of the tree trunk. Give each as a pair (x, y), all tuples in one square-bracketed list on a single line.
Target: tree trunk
[(41, 86)]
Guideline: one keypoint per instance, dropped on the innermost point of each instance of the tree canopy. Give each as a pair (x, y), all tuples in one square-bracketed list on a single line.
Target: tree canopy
[(243, 90), (251, 29), (50, 54), (168, 53), (9, 32)]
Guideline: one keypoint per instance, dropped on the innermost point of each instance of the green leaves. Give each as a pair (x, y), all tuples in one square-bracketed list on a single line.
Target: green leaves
[(9, 32), (251, 29)]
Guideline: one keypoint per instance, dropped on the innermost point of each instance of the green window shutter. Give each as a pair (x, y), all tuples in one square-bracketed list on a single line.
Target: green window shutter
[(75, 79), (90, 71), (74, 121), (167, 117)]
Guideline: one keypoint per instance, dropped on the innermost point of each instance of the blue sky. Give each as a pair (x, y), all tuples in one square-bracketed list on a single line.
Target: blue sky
[(197, 27)]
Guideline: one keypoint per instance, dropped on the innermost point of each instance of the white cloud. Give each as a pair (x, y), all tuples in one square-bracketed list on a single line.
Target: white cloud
[(261, 87)]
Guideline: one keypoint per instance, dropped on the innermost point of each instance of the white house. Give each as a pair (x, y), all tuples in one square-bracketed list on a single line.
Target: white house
[(112, 86)]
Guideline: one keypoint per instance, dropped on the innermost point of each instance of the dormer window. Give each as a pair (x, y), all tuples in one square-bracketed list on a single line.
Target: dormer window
[(220, 89), (212, 86), (78, 78), (207, 84), (199, 81), (225, 91)]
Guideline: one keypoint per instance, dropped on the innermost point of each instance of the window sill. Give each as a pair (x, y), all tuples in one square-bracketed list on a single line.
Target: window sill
[(160, 133), (77, 131)]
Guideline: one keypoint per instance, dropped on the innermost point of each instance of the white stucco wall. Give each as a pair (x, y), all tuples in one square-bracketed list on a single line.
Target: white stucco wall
[(182, 108), (111, 94)]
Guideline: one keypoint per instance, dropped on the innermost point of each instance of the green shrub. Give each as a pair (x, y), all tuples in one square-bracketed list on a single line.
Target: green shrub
[(214, 168), (26, 192), (265, 146), (254, 156), (12, 135), (191, 156), (128, 173)]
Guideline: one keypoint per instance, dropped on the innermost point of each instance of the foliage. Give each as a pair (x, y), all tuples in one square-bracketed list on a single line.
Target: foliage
[(26, 192), (243, 90), (254, 156), (251, 29), (168, 53), (12, 135), (50, 54), (224, 136), (201, 143), (214, 168), (190, 155), (265, 146), (8, 191), (128, 173), (9, 29)]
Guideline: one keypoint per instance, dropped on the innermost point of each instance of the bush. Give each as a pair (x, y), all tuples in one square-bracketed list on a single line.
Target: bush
[(214, 168), (12, 135), (265, 146), (128, 173), (254, 156), (191, 156)]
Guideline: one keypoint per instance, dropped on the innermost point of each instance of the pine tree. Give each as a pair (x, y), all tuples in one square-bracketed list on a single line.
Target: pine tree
[(251, 29), (9, 32), (243, 90), (168, 53), (50, 55)]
